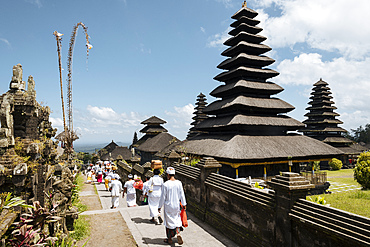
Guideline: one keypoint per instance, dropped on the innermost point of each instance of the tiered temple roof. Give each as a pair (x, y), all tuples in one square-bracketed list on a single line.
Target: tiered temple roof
[(322, 123), (153, 127), (248, 124), (199, 115)]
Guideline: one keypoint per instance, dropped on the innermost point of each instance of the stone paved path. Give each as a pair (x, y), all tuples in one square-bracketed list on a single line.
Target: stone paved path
[(147, 234), (336, 187)]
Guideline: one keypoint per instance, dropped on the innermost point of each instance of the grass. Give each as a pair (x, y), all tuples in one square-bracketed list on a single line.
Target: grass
[(81, 228), (344, 176), (81, 225), (77, 201), (80, 182), (354, 201)]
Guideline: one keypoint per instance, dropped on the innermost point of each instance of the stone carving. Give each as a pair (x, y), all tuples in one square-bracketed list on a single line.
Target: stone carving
[(31, 86), (17, 83)]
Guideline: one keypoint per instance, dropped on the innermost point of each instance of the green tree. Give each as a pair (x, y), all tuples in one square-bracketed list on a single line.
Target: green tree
[(361, 134), (362, 170)]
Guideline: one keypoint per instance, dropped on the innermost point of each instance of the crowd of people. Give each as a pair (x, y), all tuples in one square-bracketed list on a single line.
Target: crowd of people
[(158, 194)]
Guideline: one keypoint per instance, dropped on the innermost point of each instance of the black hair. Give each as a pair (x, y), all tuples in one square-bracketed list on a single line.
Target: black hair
[(156, 171), (171, 175)]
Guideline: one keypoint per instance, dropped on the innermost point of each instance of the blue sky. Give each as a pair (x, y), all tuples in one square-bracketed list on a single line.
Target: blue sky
[(154, 57)]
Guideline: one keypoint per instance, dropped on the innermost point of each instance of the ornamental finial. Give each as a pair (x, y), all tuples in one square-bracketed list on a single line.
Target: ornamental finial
[(244, 4)]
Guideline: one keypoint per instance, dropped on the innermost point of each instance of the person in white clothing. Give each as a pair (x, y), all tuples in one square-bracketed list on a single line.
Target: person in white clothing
[(145, 191), (154, 194), (116, 189), (131, 192), (172, 195)]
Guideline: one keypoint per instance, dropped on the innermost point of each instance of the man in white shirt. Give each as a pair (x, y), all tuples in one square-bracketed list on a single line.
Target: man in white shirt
[(172, 195), (131, 192), (116, 189)]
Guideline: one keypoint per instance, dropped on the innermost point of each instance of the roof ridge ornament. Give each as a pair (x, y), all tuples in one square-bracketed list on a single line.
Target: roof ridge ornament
[(244, 4)]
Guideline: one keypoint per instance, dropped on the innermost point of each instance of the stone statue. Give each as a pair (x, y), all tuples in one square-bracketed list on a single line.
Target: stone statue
[(17, 77), (31, 86)]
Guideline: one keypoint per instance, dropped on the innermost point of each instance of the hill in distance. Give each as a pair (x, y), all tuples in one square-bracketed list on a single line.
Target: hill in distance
[(91, 148)]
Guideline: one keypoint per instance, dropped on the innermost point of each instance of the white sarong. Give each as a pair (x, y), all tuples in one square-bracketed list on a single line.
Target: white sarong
[(115, 201), (131, 200), (172, 194), (153, 203)]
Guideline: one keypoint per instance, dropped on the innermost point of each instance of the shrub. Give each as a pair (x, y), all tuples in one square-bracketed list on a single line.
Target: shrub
[(362, 170), (335, 164), (315, 164)]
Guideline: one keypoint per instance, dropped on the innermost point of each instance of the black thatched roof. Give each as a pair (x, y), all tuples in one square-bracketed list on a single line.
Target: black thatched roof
[(199, 115), (176, 145), (153, 129), (322, 123), (157, 143), (259, 149), (110, 147), (153, 120), (249, 125), (123, 152)]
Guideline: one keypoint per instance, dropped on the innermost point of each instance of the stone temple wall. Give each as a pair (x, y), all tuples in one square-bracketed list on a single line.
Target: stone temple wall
[(254, 217)]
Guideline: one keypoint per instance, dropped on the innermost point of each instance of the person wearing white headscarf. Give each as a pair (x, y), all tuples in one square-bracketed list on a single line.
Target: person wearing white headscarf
[(172, 195), (154, 194), (116, 189), (131, 192)]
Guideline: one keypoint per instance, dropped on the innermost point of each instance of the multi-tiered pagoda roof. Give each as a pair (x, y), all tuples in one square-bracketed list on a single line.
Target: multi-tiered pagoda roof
[(247, 124), (199, 115), (153, 127), (322, 122)]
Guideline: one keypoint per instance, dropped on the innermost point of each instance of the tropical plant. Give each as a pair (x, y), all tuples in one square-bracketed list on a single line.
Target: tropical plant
[(315, 164), (37, 216), (63, 242), (7, 202), (335, 164), (362, 170), (26, 236), (319, 200)]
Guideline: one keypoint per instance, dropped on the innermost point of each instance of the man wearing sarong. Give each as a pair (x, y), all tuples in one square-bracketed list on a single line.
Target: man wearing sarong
[(172, 195), (131, 192), (154, 194), (116, 189)]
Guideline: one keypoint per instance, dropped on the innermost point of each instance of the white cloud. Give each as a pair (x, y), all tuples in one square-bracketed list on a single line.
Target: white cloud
[(56, 122), (102, 113), (6, 42), (227, 3), (179, 121), (35, 2), (203, 29), (348, 80), (143, 49), (331, 25), (217, 40)]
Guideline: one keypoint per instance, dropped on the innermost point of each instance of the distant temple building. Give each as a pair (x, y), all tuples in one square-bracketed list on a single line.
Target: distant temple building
[(155, 139), (113, 152), (322, 123), (199, 115), (247, 130), (153, 127)]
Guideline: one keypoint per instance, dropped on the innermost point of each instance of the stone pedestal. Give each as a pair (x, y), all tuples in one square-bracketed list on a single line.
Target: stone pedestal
[(207, 165), (288, 187)]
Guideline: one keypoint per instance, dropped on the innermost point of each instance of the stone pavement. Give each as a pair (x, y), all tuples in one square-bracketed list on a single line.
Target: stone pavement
[(336, 187), (146, 233)]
